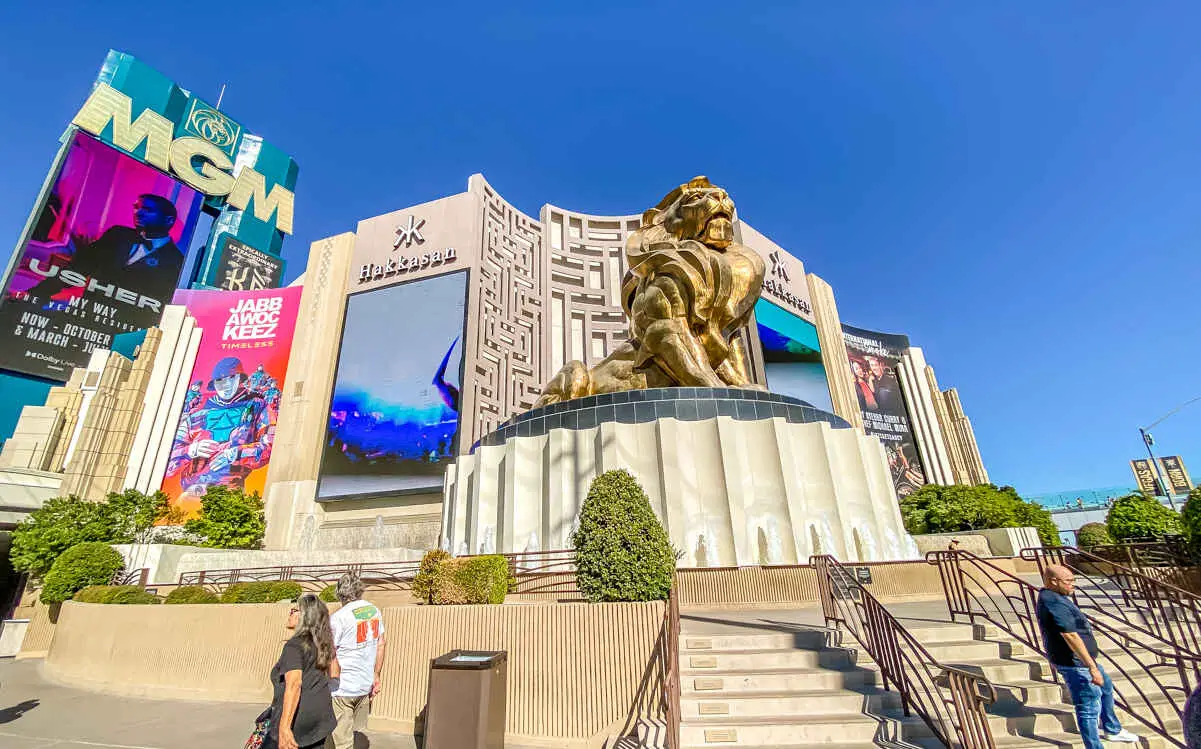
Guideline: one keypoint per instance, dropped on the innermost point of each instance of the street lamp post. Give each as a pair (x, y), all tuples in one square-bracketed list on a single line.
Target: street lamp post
[(1149, 441)]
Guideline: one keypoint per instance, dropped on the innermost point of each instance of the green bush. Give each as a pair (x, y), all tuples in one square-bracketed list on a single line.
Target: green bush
[(1190, 519), (1093, 534), (262, 592), (1139, 516), (63, 522), (329, 594), (950, 509), (442, 580), (192, 594), (93, 594), (116, 594), (91, 563), (229, 519), (484, 579), (622, 552), (428, 580)]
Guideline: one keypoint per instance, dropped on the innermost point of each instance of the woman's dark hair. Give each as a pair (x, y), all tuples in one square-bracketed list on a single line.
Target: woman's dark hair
[(313, 630)]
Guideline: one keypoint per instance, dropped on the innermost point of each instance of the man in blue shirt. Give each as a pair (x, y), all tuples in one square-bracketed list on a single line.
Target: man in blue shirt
[(1072, 649)]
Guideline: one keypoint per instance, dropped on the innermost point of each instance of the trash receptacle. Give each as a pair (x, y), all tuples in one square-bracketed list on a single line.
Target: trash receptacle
[(465, 704)]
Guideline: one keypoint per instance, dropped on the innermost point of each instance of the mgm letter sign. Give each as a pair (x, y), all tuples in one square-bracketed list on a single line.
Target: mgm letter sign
[(108, 241)]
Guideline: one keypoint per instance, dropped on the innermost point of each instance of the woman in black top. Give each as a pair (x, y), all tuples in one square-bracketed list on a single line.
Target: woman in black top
[(302, 712)]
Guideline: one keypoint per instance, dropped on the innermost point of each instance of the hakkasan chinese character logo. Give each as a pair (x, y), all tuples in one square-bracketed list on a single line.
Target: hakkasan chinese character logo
[(779, 268), (206, 122), (407, 235)]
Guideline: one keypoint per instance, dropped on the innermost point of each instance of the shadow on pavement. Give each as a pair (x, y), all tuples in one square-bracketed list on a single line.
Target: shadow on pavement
[(9, 714)]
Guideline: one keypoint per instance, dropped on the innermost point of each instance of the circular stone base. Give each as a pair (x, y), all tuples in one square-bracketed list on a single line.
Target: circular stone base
[(645, 406)]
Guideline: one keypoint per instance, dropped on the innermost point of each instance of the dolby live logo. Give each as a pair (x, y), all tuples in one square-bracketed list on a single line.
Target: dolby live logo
[(407, 235)]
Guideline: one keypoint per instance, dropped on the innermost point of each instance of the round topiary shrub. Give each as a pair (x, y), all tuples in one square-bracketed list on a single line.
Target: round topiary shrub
[(428, 580), (1139, 516), (267, 591), (93, 594), (130, 594), (1093, 534), (622, 552), (1190, 519), (483, 579), (91, 563), (115, 594), (329, 594), (192, 594)]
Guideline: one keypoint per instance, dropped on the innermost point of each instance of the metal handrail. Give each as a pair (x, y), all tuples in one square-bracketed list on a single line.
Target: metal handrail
[(139, 577), (671, 670), (1154, 608), (1170, 551), (950, 700), (539, 572), (1151, 681)]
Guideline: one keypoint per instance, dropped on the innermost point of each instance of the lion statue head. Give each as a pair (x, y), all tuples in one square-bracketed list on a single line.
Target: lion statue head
[(698, 210)]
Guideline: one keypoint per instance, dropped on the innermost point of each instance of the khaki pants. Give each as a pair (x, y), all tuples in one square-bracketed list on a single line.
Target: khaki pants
[(351, 713)]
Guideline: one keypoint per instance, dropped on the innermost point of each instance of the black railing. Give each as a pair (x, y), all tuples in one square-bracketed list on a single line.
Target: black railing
[(1151, 679), (1149, 606), (543, 572), (137, 576), (951, 701)]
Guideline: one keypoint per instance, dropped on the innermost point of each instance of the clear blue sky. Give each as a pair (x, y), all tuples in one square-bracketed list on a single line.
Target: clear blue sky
[(1016, 186)]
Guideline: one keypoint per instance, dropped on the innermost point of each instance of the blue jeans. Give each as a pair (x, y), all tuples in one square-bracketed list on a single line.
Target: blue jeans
[(1094, 704)]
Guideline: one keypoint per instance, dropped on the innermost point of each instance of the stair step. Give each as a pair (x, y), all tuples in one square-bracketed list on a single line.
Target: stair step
[(778, 732), (780, 680), (792, 704), (809, 640), (693, 662)]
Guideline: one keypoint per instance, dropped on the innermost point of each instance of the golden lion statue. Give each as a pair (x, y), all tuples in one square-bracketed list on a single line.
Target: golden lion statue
[(689, 290)]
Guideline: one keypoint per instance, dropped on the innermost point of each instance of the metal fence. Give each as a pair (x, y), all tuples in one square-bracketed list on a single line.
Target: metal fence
[(1151, 679), (951, 701)]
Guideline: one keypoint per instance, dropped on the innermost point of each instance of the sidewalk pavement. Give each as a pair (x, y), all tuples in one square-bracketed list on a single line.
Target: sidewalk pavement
[(35, 714)]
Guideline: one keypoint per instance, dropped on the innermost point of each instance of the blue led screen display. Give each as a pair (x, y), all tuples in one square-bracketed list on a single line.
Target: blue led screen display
[(394, 415)]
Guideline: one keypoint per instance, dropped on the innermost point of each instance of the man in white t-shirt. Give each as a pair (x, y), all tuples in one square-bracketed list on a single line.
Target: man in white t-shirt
[(359, 643)]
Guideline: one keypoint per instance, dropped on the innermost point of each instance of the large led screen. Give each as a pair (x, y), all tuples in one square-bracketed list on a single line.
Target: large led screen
[(792, 358), (874, 358), (394, 416), (104, 257), (227, 428)]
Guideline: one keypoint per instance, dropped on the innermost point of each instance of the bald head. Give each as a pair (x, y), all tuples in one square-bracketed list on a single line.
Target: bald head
[(1059, 578)]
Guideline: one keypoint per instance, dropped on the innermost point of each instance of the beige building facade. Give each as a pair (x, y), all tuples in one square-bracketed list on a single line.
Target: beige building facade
[(540, 291)]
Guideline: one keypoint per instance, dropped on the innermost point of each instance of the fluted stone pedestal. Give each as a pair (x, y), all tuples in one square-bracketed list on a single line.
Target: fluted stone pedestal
[(737, 477)]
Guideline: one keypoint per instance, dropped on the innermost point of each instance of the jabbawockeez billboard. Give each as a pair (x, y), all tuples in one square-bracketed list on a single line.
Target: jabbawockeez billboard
[(873, 359), (107, 243), (227, 427)]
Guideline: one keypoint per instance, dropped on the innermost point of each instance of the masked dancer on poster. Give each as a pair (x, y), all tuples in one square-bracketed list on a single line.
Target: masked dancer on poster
[(221, 442)]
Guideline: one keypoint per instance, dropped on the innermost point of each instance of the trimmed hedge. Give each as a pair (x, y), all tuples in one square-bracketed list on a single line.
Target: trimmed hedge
[(428, 581), (82, 565), (1093, 534), (622, 552), (1139, 516), (116, 594), (262, 592), (483, 579), (329, 594), (442, 580), (1190, 519), (192, 594)]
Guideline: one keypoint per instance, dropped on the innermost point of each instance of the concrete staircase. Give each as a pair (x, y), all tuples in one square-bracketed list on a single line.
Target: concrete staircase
[(796, 687)]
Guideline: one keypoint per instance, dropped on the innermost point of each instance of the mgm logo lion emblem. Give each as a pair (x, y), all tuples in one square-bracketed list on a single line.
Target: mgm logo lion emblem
[(208, 123)]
